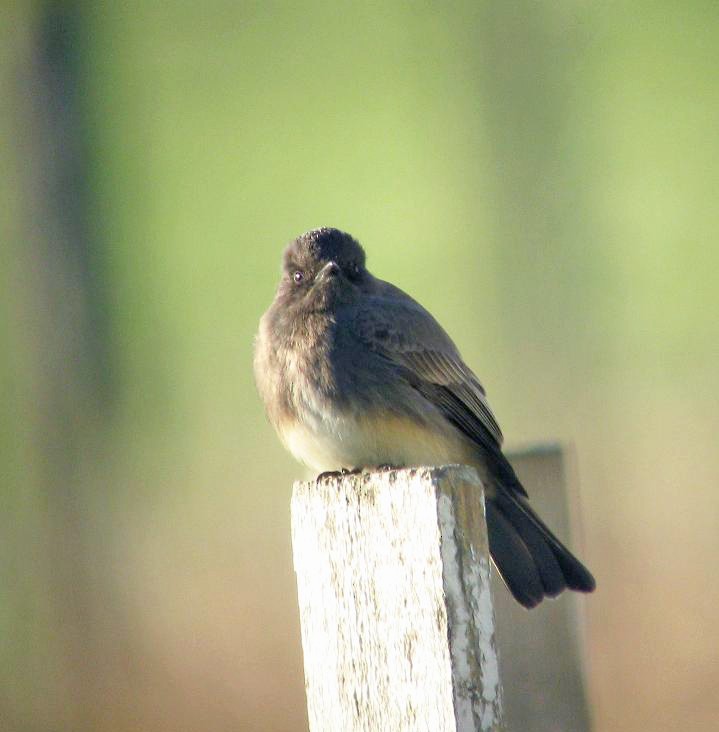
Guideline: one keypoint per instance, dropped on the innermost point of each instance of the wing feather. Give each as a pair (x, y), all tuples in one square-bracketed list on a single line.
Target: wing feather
[(403, 331)]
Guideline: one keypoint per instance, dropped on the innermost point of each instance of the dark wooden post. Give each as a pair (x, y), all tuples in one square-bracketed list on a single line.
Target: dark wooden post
[(541, 650)]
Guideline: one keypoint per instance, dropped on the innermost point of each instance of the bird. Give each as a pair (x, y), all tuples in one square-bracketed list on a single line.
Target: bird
[(356, 375)]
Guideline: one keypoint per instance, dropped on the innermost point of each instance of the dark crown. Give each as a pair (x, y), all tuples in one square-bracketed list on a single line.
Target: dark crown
[(329, 244)]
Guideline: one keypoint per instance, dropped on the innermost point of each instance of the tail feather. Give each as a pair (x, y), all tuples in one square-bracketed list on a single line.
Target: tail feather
[(530, 559), (513, 559), (542, 552)]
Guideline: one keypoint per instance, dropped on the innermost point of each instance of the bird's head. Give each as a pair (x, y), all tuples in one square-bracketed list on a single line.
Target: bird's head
[(322, 269)]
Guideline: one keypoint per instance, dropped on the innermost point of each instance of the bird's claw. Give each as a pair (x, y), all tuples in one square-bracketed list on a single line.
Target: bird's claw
[(339, 473), (384, 468)]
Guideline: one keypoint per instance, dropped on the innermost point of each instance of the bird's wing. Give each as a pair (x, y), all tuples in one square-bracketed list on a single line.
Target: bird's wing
[(401, 330)]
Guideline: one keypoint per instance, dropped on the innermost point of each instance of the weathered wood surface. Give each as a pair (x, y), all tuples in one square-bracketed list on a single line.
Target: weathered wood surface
[(395, 602), (541, 650)]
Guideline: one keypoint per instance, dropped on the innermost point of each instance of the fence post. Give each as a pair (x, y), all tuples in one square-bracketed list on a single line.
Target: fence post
[(542, 651), (395, 603)]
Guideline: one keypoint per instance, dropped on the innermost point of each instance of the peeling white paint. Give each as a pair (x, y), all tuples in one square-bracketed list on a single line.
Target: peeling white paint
[(467, 585), (391, 608)]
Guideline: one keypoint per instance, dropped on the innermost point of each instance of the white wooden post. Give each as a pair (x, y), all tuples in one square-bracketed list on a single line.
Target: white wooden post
[(393, 579)]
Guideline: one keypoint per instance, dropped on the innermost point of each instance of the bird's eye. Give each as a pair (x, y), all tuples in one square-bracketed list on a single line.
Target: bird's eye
[(353, 271), (298, 276)]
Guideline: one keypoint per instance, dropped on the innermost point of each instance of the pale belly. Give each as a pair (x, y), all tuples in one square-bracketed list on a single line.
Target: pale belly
[(347, 442)]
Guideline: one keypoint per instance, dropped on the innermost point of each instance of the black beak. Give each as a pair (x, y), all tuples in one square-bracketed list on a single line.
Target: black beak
[(330, 270)]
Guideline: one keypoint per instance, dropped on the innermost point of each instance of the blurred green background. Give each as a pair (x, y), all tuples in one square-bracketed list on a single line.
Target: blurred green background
[(543, 176)]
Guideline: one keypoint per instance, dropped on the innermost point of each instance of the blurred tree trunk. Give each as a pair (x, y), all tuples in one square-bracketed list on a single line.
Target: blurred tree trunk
[(61, 384)]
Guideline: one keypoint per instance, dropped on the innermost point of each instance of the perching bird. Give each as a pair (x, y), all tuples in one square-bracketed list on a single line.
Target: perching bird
[(355, 374)]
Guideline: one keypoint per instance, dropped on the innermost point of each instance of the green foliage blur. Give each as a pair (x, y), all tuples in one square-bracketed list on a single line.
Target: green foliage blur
[(542, 176)]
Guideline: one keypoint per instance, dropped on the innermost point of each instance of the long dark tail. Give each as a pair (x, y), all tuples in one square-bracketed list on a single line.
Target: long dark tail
[(533, 563)]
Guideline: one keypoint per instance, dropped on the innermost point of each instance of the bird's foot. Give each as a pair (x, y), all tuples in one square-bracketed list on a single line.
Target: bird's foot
[(338, 473), (384, 468)]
